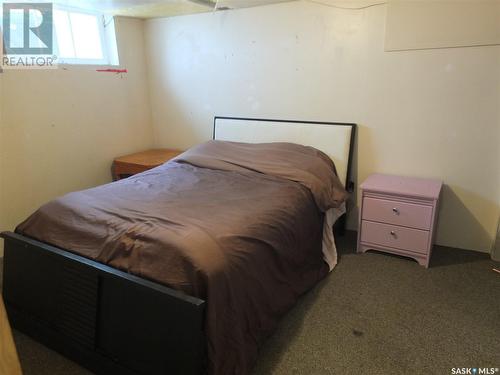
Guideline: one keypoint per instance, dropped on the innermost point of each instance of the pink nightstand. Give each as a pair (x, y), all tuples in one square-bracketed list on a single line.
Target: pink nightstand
[(398, 215)]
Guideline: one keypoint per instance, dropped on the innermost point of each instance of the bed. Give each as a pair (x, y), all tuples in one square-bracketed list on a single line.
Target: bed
[(115, 316)]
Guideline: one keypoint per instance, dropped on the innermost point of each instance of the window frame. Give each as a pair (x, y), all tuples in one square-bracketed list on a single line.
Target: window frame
[(76, 61)]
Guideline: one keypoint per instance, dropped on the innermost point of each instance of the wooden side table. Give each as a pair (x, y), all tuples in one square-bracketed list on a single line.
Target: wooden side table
[(128, 165), (398, 215)]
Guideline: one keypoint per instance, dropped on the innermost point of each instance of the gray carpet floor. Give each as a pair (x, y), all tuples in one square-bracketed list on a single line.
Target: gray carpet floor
[(375, 314)]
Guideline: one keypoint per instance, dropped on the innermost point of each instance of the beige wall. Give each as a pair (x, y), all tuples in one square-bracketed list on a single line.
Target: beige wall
[(429, 113), (61, 129)]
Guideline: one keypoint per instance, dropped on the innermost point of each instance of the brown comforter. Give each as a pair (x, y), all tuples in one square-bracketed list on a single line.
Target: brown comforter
[(235, 224)]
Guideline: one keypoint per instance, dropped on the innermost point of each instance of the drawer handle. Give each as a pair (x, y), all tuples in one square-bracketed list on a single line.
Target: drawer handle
[(393, 233), (395, 210)]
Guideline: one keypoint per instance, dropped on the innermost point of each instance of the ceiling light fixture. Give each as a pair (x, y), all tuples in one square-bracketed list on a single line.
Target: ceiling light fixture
[(211, 3), (208, 3)]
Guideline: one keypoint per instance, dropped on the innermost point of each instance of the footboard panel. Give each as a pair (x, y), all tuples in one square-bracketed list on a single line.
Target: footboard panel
[(106, 320)]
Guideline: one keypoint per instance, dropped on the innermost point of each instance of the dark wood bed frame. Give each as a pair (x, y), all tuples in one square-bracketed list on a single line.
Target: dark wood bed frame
[(108, 321)]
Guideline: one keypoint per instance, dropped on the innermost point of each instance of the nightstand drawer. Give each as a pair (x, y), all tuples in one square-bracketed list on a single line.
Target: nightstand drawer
[(399, 213), (394, 236)]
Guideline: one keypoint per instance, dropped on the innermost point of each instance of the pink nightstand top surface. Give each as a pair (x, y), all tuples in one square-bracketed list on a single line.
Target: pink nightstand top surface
[(408, 186)]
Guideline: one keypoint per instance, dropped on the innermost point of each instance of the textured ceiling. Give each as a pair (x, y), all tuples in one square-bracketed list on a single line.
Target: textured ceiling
[(161, 8)]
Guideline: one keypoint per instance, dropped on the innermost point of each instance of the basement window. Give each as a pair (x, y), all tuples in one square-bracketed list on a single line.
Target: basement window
[(84, 37)]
